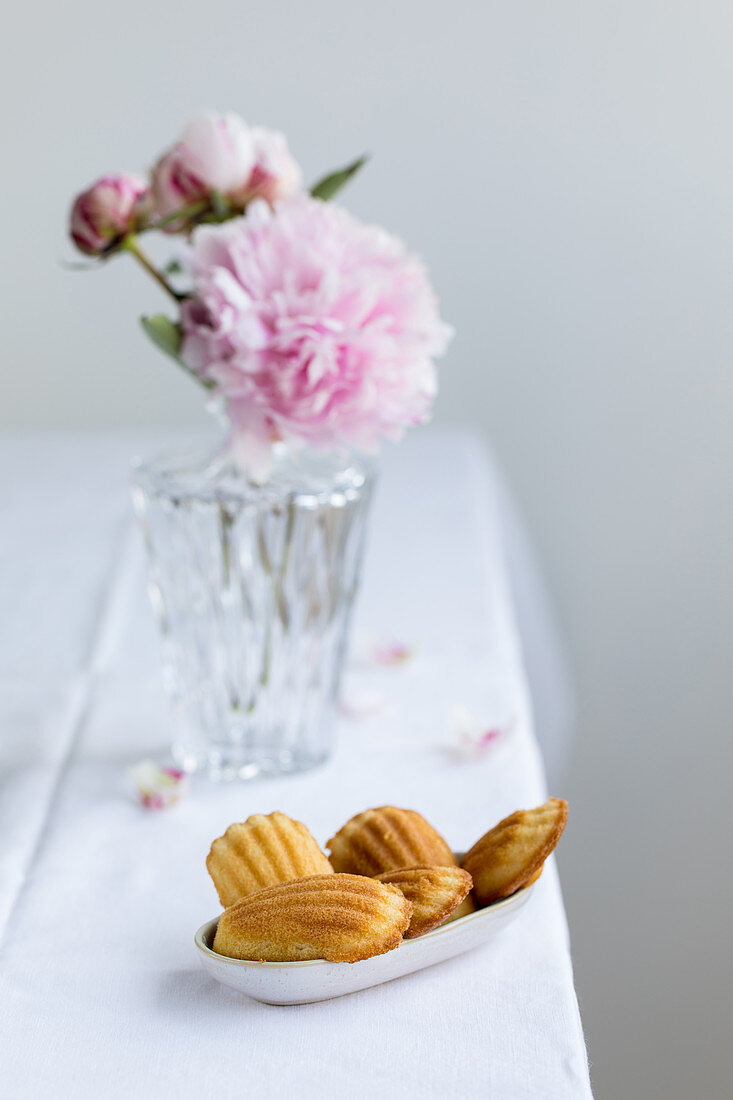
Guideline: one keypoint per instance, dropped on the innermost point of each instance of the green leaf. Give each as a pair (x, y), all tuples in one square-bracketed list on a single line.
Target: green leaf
[(329, 186), (81, 265), (167, 336), (164, 333)]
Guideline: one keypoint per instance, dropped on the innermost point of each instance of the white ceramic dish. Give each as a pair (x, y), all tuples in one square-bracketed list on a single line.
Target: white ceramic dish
[(295, 983)]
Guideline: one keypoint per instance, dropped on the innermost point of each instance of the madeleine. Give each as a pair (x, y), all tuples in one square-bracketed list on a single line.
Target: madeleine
[(340, 918), (511, 854), (434, 892), (385, 839), (263, 851)]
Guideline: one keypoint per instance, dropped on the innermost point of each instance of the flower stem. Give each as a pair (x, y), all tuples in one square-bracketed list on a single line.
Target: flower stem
[(130, 245)]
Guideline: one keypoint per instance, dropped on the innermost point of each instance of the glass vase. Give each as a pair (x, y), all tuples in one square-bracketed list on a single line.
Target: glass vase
[(252, 587)]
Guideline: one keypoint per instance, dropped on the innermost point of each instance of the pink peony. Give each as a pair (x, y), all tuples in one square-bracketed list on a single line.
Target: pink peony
[(221, 153), (175, 185), (314, 327), (276, 174), (106, 211), (215, 153)]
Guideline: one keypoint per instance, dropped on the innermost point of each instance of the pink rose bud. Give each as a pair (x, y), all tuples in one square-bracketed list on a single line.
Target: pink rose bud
[(104, 213), (215, 153), (276, 174)]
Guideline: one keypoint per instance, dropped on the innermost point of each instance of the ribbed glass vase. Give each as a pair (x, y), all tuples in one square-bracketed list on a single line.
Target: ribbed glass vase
[(252, 586)]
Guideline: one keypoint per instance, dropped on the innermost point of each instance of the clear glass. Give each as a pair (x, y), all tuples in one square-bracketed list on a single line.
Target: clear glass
[(252, 586)]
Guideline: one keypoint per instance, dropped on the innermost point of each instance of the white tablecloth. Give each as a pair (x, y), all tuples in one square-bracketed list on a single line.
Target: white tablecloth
[(101, 993)]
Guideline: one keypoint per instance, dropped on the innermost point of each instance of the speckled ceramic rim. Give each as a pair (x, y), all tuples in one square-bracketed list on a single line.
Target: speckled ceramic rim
[(207, 931)]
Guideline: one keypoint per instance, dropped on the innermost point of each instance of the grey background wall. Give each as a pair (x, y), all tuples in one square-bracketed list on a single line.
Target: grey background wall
[(566, 169)]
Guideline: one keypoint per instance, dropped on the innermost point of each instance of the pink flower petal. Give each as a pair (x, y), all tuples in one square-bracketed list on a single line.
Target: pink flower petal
[(157, 786), (394, 653), (359, 705), (472, 738)]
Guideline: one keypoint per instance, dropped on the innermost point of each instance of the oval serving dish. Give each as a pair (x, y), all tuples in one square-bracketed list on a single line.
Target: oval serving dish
[(295, 983)]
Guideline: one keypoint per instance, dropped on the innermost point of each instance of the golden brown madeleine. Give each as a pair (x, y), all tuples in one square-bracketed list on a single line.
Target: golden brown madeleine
[(386, 839), (435, 892), (341, 918), (262, 851), (511, 854), (467, 906)]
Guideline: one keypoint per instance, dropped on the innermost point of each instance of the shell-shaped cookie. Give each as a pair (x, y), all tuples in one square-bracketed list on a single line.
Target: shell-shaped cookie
[(341, 918), (467, 906), (435, 892), (385, 839), (511, 854), (262, 851)]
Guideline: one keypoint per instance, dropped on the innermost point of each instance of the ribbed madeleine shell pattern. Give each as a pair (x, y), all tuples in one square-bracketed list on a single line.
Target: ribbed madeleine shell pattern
[(385, 839), (340, 918), (511, 854), (435, 892), (264, 850)]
